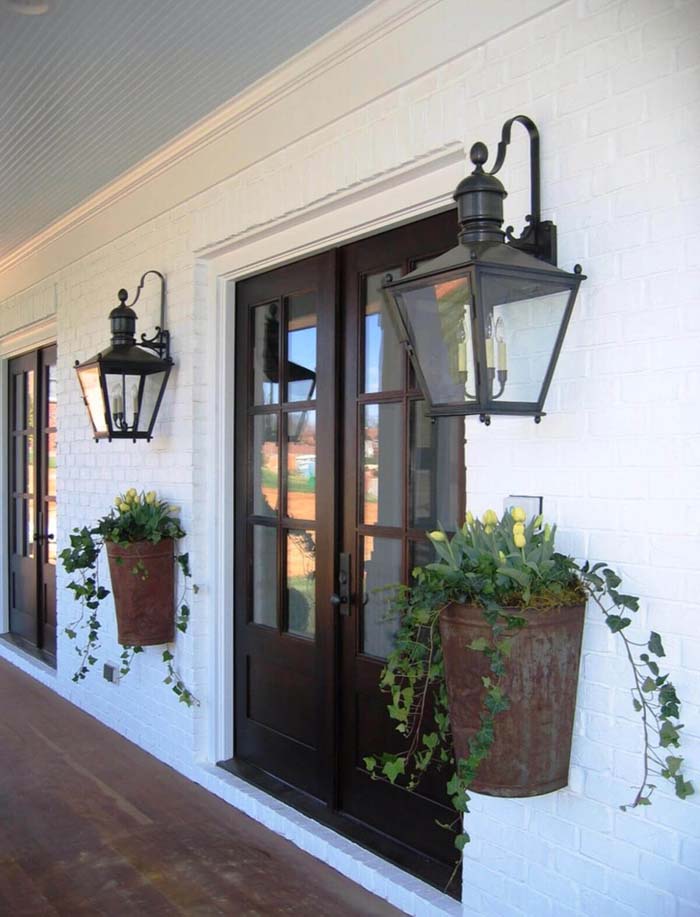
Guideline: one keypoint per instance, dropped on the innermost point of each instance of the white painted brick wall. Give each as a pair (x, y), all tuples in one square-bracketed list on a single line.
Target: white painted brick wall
[(615, 89)]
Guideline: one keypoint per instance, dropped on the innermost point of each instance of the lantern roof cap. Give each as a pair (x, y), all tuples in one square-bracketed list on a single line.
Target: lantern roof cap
[(131, 354), (486, 254)]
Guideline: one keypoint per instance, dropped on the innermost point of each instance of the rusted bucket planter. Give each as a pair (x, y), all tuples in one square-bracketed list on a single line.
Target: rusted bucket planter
[(532, 744), (143, 584)]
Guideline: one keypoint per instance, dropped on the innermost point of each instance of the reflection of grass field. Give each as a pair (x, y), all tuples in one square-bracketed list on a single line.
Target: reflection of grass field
[(295, 482), (302, 604)]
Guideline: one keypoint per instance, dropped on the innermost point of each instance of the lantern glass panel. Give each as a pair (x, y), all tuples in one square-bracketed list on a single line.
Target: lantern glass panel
[(152, 387), (439, 324), (92, 390), (523, 317)]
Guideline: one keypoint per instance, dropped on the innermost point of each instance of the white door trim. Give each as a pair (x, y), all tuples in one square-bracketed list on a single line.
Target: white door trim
[(402, 197)]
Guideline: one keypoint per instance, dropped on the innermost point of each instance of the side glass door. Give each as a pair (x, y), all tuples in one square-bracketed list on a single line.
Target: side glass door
[(32, 499), (285, 522), (404, 474)]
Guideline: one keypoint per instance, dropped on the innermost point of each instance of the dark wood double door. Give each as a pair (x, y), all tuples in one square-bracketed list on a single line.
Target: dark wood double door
[(339, 474), (32, 500)]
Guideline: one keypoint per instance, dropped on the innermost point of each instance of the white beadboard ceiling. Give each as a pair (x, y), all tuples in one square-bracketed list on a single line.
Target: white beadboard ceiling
[(92, 87)]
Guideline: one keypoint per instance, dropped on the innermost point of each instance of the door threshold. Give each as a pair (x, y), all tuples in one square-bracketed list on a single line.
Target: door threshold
[(35, 652), (431, 871)]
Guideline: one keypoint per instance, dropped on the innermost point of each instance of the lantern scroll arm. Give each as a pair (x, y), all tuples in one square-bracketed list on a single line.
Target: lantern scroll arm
[(160, 342), (539, 238)]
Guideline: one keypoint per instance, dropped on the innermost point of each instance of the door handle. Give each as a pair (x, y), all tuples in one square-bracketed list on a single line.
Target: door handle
[(341, 598), (39, 536)]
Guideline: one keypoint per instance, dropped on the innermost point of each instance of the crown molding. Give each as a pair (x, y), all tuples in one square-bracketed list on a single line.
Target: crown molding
[(350, 38)]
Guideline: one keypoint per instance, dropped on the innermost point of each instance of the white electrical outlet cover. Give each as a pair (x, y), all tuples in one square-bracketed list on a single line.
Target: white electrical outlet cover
[(531, 505)]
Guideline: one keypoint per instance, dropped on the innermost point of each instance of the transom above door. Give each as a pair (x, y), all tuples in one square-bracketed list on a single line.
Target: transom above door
[(339, 473)]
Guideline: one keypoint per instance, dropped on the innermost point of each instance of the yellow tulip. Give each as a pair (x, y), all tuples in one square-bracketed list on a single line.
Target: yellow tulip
[(488, 529), (118, 500), (502, 557), (124, 507), (519, 540), (518, 514), (470, 519), (518, 529), (173, 509), (131, 492), (437, 536), (489, 517), (151, 496)]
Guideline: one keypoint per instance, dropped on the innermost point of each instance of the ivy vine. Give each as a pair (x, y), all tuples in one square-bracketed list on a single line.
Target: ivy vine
[(506, 566)]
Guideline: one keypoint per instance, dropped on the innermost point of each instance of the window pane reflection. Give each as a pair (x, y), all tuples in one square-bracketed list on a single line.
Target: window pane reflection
[(266, 335), (436, 470), (51, 395), (382, 477), (301, 347), (51, 464), (301, 582), (381, 568), (384, 355), (264, 575), (265, 465), (51, 544), (301, 464)]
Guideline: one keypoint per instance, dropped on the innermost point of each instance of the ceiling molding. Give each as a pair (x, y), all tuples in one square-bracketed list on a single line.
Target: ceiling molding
[(357, 33)]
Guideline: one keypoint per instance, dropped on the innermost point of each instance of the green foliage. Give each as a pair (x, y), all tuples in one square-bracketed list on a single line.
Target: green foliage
[(135, 517), (501, 565)]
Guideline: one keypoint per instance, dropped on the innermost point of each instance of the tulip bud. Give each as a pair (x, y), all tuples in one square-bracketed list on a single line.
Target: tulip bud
[(118, 500), (518, 514), (151, 496), (502, 557), (124, 507), (519, 540), (490, 517), (131, 492), (470, 519), (518, 528), (173, 509), (437, 536), (547, 532)]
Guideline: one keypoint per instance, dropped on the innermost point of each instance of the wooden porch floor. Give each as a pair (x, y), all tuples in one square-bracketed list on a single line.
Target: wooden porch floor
[(92, 825)]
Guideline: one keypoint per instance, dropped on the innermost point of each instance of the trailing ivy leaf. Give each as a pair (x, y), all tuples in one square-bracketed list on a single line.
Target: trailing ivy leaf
[(617, 623), (392, 769), (370, 763), (167, 656), (668, 734), (479, 644), (648, 685), (636, 704), (684, 788), (673, 765), (655, 645), (461, 841)]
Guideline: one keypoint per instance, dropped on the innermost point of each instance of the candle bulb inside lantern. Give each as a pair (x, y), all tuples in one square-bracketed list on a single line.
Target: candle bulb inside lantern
[(489, 353), (502, 356), (117, 402), (134, 400)]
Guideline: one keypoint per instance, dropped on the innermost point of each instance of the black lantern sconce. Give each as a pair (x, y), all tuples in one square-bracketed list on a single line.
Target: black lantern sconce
[(123, 386), (484, 323)]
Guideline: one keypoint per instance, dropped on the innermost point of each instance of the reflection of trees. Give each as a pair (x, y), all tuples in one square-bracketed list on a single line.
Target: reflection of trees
[(301, 596)]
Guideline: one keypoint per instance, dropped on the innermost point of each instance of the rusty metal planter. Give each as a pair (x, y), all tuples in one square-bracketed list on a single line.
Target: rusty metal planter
[(532, 744), (143, 583)]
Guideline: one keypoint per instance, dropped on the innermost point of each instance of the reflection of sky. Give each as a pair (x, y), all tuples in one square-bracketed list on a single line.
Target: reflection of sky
[(302, 347), (373, 347)]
